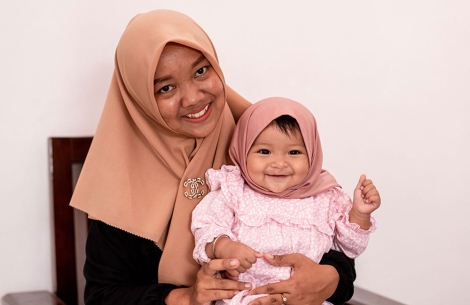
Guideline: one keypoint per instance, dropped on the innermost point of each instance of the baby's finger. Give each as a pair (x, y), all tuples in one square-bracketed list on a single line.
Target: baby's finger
[(247, 264), (360, 183), (370, 192), (232, 273), (373, 199), (367, 182), (369, 188), (253, 258), (227, 275), (242, 269)]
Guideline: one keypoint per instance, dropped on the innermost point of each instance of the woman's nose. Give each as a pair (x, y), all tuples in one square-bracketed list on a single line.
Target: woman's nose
[(192, 94)]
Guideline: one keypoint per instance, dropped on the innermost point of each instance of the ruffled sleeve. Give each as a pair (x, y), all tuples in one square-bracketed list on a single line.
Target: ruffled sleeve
[(214, 214), (349, 237)]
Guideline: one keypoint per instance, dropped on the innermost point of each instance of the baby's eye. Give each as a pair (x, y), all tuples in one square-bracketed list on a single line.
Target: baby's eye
[(294, 152), (264, 151), (201, 71)]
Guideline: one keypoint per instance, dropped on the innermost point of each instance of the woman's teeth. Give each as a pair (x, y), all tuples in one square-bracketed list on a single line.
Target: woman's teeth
[(199, 114)]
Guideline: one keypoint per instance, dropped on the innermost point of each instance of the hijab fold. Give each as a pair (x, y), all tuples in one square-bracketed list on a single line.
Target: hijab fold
[(135, 172)]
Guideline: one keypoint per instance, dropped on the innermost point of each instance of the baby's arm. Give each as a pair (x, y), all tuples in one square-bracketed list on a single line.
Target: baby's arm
[(366, 200), (212, 217), (224, 247)]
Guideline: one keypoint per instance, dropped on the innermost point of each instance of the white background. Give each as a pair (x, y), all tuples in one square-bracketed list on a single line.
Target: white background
[(387, 80)]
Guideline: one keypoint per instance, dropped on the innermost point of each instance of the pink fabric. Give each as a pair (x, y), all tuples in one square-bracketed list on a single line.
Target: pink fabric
[(311, 225), (256, 118)]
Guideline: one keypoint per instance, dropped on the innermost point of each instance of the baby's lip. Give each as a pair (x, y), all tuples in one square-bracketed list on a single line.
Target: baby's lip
[(278, 172), (279, 176)]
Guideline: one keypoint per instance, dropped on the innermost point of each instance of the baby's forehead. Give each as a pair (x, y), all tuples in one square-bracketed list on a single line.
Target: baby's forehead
[(272, 134)]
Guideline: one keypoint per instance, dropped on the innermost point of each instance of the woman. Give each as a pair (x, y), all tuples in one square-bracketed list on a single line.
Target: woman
[(165, 122)]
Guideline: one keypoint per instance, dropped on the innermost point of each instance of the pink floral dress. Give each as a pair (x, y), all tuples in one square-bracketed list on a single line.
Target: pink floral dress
[(311, 226)]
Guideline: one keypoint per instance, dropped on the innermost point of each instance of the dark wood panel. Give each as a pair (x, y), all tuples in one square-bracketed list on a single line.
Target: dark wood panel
[(64, 152)]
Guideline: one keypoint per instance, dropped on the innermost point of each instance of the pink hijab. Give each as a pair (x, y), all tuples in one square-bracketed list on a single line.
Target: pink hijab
[(260, 115)]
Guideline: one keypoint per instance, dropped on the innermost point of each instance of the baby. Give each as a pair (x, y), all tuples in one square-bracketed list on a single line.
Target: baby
[(277, 199)]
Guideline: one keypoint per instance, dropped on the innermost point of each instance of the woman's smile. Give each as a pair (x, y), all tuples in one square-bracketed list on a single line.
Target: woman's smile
[(199, 114)]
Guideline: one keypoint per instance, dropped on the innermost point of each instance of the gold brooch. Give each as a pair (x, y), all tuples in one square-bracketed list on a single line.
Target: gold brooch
[(194, 191)]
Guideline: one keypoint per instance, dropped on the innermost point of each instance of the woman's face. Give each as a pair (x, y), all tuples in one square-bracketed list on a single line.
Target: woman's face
[(188, 91)]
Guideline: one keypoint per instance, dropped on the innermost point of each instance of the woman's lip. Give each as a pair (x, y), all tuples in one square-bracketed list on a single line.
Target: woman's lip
[(204, 111), (198, 113)]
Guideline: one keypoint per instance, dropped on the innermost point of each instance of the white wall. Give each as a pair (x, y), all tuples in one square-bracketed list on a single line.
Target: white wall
[(387, 80)]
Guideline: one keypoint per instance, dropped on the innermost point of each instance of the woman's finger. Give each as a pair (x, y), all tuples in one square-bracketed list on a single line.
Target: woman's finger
[(212, 289), (270, 299), (216, 265), (271, 289), (288, 260), (310, 283), (211, 271)]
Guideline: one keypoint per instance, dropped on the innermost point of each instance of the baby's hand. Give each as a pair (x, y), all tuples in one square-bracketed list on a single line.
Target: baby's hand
[(227, 248), (366, 197)]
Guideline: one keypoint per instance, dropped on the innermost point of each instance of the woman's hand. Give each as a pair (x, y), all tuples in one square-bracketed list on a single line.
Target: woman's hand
[(208, 286), (310, 283)]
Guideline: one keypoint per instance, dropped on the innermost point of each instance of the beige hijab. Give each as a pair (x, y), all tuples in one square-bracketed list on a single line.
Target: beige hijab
[(139, 175)]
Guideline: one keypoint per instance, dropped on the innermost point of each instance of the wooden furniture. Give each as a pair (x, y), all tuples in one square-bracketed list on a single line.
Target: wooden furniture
[(70, 226), (66, 155)]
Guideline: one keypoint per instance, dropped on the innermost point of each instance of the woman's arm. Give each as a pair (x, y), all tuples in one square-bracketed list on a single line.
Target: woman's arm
[(344, 266), (122, 268)]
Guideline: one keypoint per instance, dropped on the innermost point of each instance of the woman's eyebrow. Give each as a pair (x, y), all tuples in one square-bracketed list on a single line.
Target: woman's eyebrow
[(195, 63), (199, 60), (161, 79)]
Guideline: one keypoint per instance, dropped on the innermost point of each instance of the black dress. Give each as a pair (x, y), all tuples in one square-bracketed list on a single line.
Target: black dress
[(122, 268)]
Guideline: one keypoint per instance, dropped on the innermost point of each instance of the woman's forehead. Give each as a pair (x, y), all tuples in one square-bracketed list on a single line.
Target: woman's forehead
[(174, 56)]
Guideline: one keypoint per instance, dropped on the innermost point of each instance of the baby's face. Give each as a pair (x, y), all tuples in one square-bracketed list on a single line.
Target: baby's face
[(277, 161)]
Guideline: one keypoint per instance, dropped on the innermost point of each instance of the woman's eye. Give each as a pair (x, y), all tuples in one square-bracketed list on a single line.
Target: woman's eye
[(165, 89), (264, 151), (201, 71)]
